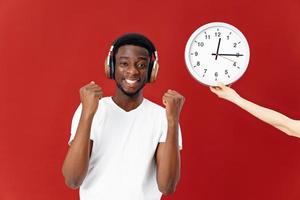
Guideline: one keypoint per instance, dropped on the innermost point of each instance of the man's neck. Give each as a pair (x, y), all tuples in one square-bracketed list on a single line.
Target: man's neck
[(126, 102)]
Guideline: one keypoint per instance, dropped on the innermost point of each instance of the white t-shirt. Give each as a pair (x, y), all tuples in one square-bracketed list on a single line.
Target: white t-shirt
[(122, 163)]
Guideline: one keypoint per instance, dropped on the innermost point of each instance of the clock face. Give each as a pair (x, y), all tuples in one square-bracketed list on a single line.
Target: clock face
[(217, 52)]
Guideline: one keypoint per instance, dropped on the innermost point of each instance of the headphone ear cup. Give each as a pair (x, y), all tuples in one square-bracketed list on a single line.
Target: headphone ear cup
[(107, 67), (154, 72), (111, 67), (154, 69)]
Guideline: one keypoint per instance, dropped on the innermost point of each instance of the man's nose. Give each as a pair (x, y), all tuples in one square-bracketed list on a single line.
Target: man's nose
[(132, 69)]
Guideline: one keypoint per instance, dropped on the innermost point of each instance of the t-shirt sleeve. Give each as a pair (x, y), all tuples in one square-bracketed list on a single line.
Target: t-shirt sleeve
[(164, 130), (75, 122)]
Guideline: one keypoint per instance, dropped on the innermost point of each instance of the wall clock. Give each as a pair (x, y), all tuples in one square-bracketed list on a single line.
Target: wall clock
[(217, 52)]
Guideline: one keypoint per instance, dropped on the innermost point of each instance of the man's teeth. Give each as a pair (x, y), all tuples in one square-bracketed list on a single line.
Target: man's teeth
[(130, 81)]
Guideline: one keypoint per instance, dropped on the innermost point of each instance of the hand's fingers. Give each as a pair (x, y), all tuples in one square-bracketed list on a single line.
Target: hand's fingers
[(98, 94), (94, 86), (221, 85), (168, 96), (89, 88), (173, 92), (174, 95), (165, 97), (164, 100), (213, 89), (96, 89), (174, 98)]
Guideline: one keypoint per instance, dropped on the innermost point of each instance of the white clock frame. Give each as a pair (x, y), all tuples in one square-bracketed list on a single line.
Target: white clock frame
[(203, 63)]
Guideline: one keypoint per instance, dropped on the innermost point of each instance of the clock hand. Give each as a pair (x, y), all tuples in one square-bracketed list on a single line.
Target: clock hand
[(218, 49), (226, 54), (227, 58)]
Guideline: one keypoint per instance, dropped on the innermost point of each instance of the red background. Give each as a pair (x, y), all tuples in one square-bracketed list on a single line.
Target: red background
[(50, 48)]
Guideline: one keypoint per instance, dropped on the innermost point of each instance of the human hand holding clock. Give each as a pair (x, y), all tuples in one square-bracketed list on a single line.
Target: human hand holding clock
[(225, 92), (217, 52)]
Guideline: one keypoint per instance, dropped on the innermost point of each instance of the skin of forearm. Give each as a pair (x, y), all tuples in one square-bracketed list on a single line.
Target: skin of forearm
[(77, 159), (269, 116), (168, 172)]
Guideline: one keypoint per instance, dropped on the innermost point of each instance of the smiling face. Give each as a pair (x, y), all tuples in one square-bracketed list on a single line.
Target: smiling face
[(131, 67)]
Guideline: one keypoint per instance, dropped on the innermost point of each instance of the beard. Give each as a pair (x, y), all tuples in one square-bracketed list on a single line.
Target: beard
[(130, 94)]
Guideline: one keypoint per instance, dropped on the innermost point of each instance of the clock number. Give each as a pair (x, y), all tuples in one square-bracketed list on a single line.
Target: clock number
[(234, 64), (218, 34), (200, 44), (196, 53), (228, 36), (198, 63), (226, 73), (207, 37), (234, 45), (204, 72), (216, 76)]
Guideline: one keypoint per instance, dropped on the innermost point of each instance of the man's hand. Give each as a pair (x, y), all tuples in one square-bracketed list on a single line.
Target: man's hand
[(173, 102), (225, 92), (89, 96)]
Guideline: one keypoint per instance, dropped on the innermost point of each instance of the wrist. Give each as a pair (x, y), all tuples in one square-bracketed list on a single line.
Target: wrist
[(236, 99), (172, 123), (87, 115)]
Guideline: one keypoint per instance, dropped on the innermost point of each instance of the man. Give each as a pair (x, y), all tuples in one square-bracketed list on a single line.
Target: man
[(124, 146), (276, 119)]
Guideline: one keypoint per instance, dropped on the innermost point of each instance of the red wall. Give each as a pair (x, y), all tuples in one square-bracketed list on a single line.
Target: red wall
[(49, 48)]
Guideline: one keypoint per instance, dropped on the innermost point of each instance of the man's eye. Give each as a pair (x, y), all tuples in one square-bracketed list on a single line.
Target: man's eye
[(141, 65), (124, 64)]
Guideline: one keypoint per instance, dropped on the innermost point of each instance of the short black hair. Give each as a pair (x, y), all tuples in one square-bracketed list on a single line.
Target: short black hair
[(133, 39)]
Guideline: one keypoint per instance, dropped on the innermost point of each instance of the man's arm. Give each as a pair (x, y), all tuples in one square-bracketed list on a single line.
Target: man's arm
[(274, 118), (168, 155), (76, 162)]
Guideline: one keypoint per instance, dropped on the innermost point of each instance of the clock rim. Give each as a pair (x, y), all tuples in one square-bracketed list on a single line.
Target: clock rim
[(201, 29)]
